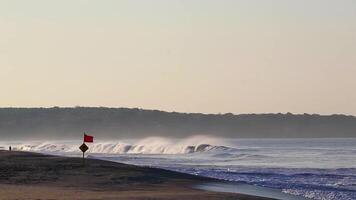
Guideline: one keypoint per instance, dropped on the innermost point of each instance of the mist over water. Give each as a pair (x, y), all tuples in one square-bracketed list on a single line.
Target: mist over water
[(149, 145)]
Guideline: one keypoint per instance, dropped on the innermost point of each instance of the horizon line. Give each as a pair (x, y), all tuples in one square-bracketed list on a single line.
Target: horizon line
[(152, 109)]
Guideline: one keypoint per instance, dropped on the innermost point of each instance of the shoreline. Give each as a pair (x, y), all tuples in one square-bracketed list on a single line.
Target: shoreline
[(241, 188), (26, 175)]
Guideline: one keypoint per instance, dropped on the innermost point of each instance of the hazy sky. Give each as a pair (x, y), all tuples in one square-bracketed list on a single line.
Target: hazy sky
[(240, 56)]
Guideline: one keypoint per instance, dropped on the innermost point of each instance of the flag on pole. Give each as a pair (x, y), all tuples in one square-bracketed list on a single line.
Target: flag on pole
[(88, 138)]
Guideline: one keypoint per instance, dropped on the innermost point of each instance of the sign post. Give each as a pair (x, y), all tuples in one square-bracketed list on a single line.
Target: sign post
[(83, 148)]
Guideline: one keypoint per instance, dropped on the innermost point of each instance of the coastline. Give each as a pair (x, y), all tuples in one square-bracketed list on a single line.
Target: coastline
[(25, 175)]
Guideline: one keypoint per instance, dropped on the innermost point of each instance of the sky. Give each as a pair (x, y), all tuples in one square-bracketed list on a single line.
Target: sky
[(210, 56)]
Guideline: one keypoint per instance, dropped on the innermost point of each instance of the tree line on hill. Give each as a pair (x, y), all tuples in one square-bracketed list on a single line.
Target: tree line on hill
[(116, 123)]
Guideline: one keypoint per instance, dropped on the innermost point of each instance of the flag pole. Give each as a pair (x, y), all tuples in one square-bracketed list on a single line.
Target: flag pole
[(84, 147), (83, 151)]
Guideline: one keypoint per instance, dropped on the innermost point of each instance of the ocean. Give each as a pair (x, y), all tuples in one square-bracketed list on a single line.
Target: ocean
[(320, 169)]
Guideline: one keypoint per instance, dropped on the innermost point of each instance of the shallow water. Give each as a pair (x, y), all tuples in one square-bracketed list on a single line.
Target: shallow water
[(248, 190)]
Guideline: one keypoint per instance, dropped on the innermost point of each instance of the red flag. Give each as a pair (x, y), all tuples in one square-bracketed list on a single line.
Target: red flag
[(88, 138)]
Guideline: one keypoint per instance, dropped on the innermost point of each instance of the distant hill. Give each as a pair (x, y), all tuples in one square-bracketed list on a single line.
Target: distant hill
[(106, 123)]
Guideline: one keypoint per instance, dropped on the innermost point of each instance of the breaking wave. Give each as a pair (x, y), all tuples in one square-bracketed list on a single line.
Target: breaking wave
[(151, 145)]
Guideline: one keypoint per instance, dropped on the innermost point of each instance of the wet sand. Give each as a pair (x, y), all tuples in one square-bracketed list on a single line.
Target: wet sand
[(26, 175)]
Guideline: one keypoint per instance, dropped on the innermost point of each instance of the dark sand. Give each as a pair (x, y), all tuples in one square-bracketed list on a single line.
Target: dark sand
[(26, 175)]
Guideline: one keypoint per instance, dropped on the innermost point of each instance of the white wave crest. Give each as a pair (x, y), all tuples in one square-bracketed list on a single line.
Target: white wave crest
[(151, 145)]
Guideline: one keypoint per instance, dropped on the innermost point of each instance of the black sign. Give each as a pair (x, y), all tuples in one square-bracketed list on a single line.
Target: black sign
[(83, 147)]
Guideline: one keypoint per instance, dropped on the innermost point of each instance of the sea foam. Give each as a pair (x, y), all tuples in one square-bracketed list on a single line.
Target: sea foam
[(150, 145)]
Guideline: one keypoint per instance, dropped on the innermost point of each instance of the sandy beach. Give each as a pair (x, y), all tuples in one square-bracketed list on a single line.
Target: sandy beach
[(26, 175)]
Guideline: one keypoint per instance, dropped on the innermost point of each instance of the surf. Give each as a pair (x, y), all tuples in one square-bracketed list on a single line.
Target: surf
[(149, 145)]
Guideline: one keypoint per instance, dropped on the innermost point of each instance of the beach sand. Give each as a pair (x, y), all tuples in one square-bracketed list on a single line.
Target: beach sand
[(25, 175)]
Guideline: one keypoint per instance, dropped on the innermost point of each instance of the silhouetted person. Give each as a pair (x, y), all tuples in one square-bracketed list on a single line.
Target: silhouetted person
[(9, 148)]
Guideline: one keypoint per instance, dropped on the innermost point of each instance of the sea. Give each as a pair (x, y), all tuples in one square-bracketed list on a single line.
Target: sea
[(320, 169)]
